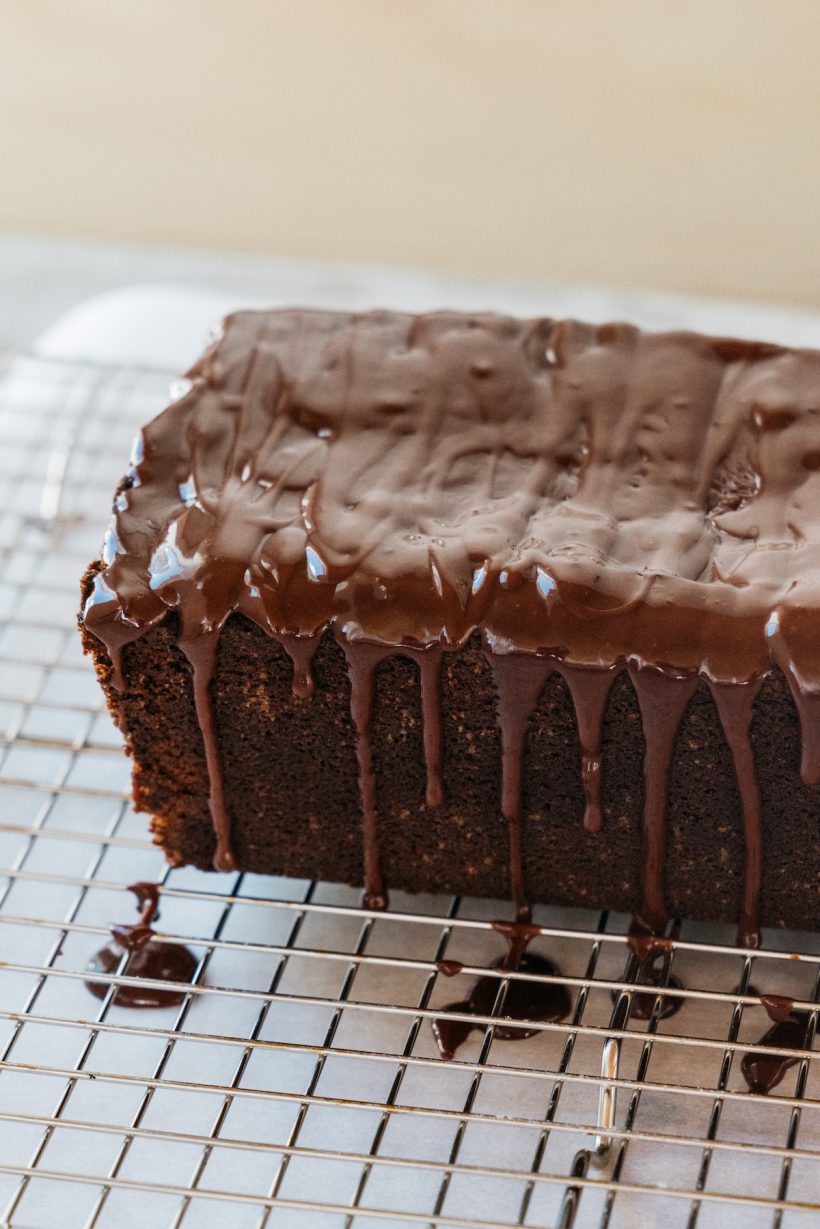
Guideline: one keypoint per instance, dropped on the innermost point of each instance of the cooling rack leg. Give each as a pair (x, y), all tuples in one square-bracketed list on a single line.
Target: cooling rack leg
[(577, 1017), (607, 1101), (601, 1154)]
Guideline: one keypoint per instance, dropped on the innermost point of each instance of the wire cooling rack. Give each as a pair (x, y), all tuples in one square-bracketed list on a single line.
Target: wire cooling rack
[(298, 1083)]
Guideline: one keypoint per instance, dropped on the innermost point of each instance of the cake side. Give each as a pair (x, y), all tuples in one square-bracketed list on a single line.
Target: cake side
[(628, 521), (291, 780)]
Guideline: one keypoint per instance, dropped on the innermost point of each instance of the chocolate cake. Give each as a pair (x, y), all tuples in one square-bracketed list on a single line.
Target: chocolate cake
[(464, 603)]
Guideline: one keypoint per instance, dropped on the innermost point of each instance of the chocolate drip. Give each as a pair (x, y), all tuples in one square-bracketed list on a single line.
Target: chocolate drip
[(145, 957), (524, 1000), (115, 645), (429, 663), (301, 650), (518, 936), (147, 895), (362, 660), (519, 681), (735, 705), (201, 653), (778, 1007), (645, 944), (808, 708), (117, 676), (763, 1072), (107, 622), (589, 690), (649, 949), (662, 699), (807, 704)]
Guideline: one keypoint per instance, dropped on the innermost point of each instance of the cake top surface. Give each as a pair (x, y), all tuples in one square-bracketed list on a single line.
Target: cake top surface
[(595, 492)]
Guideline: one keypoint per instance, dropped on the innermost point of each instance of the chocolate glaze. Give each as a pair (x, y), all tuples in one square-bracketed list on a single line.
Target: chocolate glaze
[(146, 958), (763, 1072), (524, 1000), (593, 499)]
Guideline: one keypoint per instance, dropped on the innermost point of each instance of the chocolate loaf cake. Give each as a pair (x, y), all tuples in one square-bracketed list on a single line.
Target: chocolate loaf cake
[(456, 603)]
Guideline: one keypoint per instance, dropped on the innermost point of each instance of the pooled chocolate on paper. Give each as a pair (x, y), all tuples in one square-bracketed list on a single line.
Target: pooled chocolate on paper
[(134, 946)]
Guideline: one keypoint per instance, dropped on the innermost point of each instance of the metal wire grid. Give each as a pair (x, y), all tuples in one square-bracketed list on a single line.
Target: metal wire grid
[(298, 1083)]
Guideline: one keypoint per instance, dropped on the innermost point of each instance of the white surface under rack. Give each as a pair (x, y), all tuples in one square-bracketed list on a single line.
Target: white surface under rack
[(298, 1084)]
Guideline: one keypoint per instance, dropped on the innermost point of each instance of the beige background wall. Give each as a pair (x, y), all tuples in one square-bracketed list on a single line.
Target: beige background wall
[(645, 142)]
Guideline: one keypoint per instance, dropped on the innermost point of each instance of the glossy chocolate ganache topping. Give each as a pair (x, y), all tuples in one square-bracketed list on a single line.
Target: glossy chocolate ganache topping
[(592, 499)]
